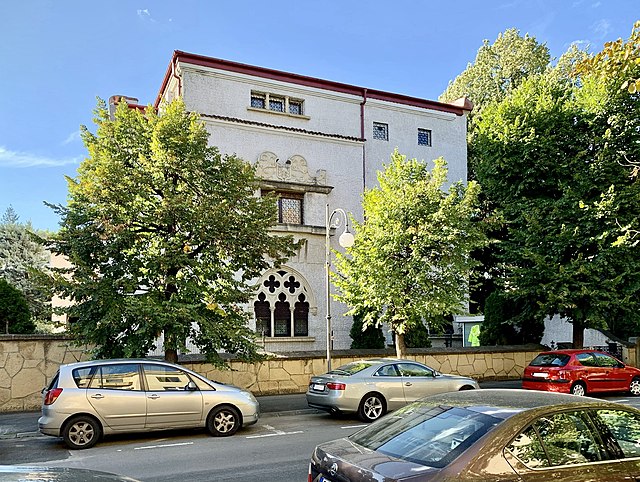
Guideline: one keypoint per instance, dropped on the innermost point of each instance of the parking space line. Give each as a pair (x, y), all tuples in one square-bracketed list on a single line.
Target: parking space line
[(162, 446)]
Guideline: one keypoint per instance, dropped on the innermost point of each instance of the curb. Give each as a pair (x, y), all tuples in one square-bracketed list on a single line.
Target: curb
[(10, 435)]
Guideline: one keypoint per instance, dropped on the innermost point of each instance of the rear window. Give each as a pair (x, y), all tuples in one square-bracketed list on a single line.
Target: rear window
[(351, 368), (550, 360), (82, 376), (426, 435)]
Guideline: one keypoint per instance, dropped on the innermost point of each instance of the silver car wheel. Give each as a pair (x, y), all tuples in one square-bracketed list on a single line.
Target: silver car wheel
[(634, 387), (372, 408), (578, 390), (223, 421), (81, 433)]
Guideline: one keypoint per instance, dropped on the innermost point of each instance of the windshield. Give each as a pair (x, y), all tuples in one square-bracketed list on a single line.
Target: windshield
[(350, 368), (550, 360), (424, 434)]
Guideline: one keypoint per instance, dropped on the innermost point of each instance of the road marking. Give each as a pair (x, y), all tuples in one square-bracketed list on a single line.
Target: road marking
[(162, 446), (356, 426), (274, 434)]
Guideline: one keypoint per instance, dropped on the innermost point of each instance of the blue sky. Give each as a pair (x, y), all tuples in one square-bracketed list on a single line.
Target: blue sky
[(59, 55)]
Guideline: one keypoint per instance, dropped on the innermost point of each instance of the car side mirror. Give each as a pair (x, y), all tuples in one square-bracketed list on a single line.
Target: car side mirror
[(191, 386)]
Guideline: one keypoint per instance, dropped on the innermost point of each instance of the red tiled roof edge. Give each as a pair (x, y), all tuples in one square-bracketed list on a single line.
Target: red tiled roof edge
[(286, 128)]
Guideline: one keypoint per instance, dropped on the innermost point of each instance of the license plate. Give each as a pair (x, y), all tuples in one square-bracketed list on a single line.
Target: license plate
[(541, 375), (323, 479), (319, 387)]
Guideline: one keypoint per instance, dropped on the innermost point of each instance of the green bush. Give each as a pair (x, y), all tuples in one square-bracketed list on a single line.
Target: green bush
[(372, 337), (417, 336), (508, 321), (15, 317)]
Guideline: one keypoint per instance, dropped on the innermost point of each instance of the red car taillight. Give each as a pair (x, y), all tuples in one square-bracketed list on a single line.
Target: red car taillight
[(336, 386), (52, 395)]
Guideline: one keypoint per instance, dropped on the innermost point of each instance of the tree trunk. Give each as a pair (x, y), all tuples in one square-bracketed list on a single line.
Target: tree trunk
[(401, 349), (578, 334), (171, 355)]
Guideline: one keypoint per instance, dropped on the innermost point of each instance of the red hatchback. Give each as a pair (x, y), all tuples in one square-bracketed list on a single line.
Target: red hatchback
[(580, 372)]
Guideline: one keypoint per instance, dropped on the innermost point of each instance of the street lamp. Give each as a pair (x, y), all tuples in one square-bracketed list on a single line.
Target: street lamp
[(346, 241)]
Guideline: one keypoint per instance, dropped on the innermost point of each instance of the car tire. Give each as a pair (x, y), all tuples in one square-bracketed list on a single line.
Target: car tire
[(372, 407), (634, 387), (466, 387), (579, 389), (223, 421), (81, 432)]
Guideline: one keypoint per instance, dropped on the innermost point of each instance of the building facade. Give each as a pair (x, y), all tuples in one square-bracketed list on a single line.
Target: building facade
[(314, 143)]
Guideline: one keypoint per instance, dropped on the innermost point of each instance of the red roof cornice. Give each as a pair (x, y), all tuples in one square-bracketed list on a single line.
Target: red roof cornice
[(194, 59)]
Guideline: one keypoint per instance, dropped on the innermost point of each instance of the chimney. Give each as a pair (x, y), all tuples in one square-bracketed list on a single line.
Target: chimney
[(114, 100)]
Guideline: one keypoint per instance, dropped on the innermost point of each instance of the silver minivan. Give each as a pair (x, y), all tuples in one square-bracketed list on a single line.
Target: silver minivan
[(86, 400)]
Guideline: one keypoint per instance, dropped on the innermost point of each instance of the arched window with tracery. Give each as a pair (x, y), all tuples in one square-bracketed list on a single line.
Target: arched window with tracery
[(283, 303)]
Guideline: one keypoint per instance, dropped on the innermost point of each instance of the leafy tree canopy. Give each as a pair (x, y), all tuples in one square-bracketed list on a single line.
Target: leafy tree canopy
[(410, 259), (542, 162), (164, 234), (23, 258), (498, 69)]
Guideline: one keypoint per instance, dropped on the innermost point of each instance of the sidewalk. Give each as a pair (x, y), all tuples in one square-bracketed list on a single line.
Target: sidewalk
[(25, 424)]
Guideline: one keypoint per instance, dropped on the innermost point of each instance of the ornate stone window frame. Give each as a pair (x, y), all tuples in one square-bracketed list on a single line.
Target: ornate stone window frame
[(284, 284)]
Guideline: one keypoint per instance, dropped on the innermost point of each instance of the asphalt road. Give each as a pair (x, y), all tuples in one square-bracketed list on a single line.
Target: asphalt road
[(277, 448)]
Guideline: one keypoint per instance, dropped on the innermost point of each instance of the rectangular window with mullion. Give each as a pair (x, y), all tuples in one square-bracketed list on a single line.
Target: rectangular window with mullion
[(290, 208)]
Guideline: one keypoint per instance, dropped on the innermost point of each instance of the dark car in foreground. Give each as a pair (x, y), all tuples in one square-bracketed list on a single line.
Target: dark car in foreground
[(489, 435), (370, 388), (86, 400), (21, 473), (580, 372)]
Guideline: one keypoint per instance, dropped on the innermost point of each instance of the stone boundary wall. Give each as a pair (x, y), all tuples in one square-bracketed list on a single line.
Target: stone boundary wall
[(28, 362)]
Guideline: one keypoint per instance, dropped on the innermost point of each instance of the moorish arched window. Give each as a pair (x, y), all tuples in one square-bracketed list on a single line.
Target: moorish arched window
[(283, 303)]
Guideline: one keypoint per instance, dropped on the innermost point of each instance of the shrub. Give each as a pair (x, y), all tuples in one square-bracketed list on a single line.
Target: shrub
[(15, 317)]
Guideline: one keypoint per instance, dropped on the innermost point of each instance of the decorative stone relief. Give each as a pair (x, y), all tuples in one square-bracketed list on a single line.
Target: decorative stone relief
[(294, 169)]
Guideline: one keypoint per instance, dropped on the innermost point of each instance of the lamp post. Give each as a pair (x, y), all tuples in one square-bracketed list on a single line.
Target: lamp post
[(346, 241)]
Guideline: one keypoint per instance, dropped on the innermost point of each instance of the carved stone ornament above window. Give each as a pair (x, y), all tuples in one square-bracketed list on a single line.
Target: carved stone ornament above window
[(294, 170)]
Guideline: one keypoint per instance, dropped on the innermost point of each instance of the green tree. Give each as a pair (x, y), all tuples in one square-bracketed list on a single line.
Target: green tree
[(411, 257), (498, 69), (539, 163), (369, 337), (23, 258), (610, 93), (164, 235), (15, 317)]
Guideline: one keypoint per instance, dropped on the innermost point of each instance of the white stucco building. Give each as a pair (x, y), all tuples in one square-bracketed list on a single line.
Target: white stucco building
[(314, 142)]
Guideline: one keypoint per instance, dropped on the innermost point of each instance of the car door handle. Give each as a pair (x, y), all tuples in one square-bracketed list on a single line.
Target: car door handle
[(408, 384), (97, 396), (154, 396)]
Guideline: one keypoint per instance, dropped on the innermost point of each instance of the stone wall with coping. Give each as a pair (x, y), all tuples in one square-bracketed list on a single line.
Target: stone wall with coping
[(28, 363)]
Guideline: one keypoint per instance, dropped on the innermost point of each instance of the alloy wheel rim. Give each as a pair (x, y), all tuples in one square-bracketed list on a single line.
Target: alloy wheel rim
[(81, 433), (635, 387), (224, 422), (578, 390), (372, 408)]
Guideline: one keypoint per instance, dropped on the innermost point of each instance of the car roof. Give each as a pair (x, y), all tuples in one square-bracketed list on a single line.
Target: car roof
[(516, 399), (90, 363), (571, 351)]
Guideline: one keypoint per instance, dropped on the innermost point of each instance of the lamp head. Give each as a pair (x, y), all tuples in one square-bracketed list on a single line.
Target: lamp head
[(346, 239)]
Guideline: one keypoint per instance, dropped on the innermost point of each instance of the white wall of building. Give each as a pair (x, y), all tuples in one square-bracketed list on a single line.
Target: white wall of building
[(329, 136)]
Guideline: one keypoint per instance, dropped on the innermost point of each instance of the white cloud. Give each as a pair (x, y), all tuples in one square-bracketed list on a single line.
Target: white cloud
[(26, 159), (73, 137), (602, 28), (145, 16)]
